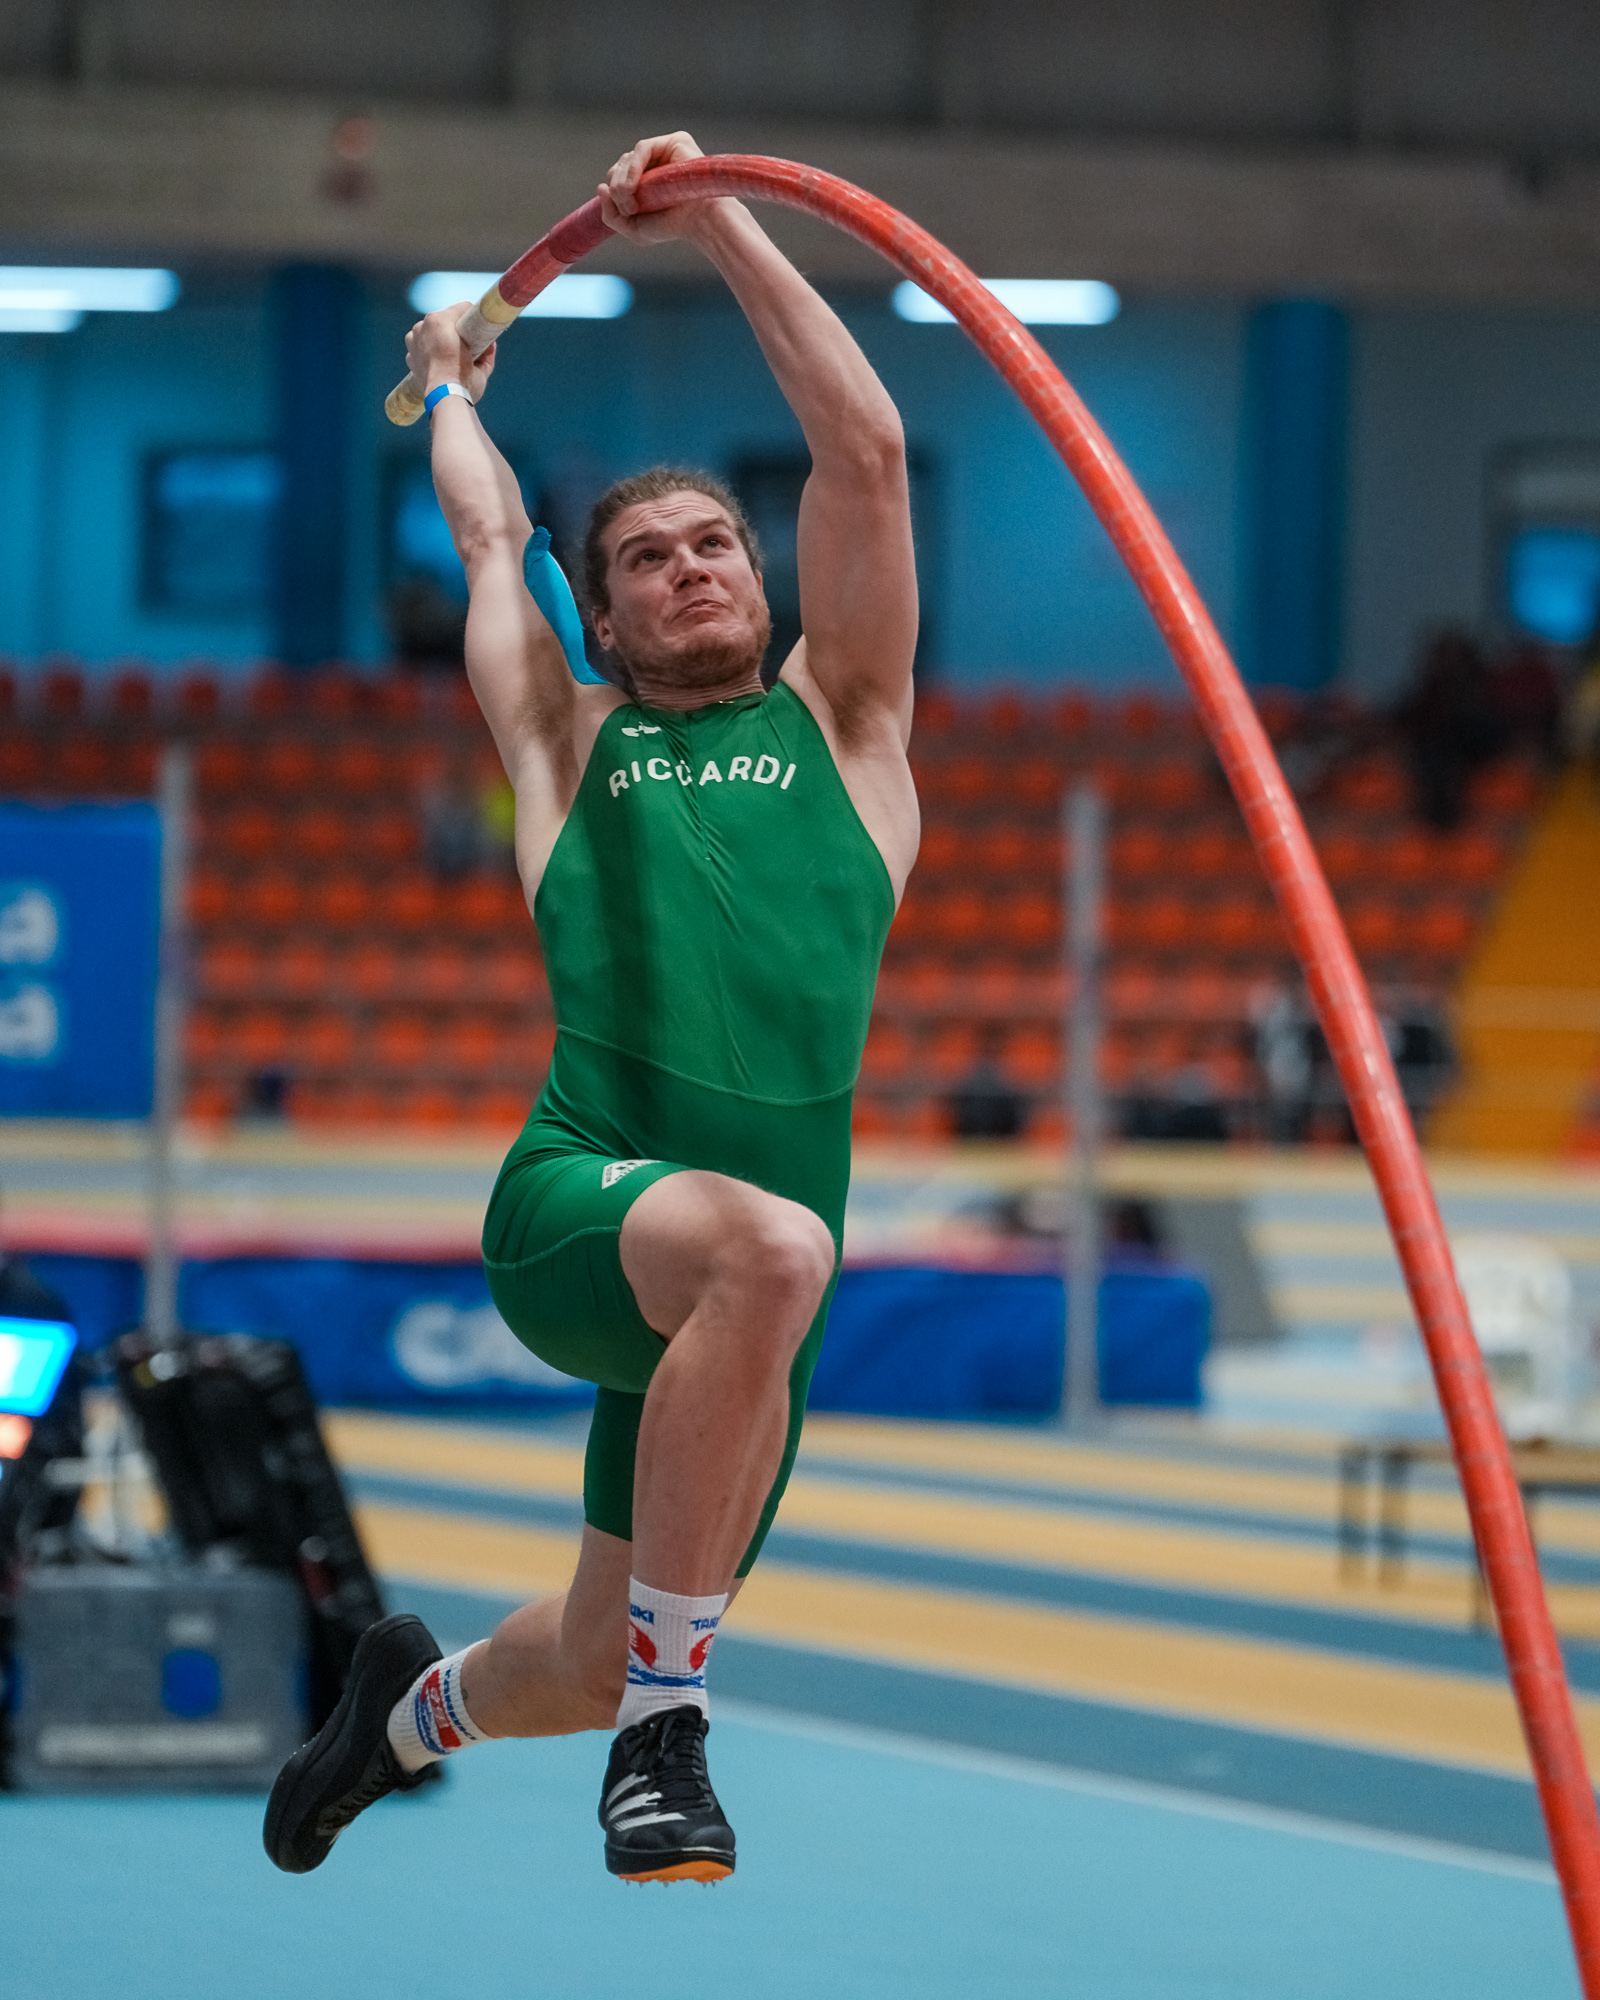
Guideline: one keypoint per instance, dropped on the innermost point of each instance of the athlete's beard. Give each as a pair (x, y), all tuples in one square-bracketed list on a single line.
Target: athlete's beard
[(708, 664)]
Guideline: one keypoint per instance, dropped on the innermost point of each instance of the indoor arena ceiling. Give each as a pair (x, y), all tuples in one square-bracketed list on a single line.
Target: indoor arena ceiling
[(1382, 151)]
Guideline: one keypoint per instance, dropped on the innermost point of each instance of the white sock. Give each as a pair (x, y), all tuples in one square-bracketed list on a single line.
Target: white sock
[(430, 1719), (669, 1639)]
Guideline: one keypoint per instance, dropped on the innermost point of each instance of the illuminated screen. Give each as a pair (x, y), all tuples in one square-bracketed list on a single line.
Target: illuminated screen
[(33, 1354), (1553, 582)]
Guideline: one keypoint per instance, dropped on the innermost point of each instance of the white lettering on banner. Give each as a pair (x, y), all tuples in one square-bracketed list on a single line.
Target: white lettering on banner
[(763, 775), (711, 775), (786, 777), (30, 924), (439, 1345), (739, 768), (30, 1024), (684, 774), (664, 772), (618, 781)]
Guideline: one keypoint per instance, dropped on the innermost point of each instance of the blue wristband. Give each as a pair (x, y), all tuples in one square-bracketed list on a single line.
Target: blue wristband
[(437, 396)]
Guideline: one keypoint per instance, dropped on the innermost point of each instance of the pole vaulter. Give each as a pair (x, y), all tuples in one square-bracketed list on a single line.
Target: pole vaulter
[(1499, 1525)]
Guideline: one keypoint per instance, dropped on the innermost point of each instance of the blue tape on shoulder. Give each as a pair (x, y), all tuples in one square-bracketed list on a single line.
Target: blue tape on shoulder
[(549, 589)]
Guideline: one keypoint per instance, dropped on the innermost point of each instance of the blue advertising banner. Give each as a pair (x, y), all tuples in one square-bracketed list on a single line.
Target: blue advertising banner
[(80, 903)]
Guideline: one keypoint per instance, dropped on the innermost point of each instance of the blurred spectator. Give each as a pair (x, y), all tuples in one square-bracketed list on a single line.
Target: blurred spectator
[(497, 817), (1525, 691), (452, 823), (1449, 725), (426, 624), (1581, 723), (1424, 1055), (1283, 1025), (1187, 1107), (985, 1104)]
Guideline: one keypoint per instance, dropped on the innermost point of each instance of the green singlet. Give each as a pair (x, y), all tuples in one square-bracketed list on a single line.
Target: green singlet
[(712, 918)]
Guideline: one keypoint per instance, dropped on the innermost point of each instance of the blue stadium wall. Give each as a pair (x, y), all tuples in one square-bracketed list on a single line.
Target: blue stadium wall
[(1025, 588)]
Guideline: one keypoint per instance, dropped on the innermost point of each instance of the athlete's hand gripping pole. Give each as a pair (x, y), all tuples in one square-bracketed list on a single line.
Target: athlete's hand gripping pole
[(1499, 1525), (582, 232)]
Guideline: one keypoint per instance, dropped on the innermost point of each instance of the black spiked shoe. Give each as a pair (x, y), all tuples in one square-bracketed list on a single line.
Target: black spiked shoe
[(661, 1817), (348, 1765)]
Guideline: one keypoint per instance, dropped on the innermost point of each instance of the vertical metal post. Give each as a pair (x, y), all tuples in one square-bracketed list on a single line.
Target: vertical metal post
[(1084, 828), (161, 1258)]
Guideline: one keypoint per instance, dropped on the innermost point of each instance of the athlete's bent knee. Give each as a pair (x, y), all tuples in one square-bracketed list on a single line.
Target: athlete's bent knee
[(785, 1255)]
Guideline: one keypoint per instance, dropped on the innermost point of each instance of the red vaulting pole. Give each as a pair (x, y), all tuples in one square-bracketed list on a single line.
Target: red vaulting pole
[(1499, 1526)]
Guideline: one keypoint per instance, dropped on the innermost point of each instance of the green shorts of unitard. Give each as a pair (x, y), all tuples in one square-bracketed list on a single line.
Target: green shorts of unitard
[(551, 1251)]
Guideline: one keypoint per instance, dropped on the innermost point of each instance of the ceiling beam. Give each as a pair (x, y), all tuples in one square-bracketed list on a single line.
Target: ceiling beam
[(119, 171)]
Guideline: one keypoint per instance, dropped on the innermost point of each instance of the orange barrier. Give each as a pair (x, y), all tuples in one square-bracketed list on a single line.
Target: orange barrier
[(1338, 991)]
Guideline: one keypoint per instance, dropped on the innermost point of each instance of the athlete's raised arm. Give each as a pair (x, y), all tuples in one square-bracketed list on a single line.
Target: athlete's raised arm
[(534, 708), (858, 585)]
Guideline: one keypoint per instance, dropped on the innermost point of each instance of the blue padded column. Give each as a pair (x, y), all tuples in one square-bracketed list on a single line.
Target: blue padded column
[(316, 327), (1293, 467)]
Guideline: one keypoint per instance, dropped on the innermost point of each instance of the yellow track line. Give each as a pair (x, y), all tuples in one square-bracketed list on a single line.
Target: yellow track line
[(1253, 1684)]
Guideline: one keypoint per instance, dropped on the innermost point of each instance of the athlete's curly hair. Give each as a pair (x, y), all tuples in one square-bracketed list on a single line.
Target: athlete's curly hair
[(655, 484)]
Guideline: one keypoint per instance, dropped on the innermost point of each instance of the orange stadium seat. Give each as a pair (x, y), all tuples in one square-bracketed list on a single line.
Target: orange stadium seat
[(208, 1102), (224, 765), (943, 847), (890, 1053), (397, 698), (1375, 927), (136, 766), (963, 917), (199, 697), (272, 898), (327, 1040), (926, 982), (1032, 1058), (301, 970), (388, 835), (996, 987), (357, 765), (1473, 859), (230, 968), (951, 1051), (1140, 850), (935, 711), (132, 694), (470, 1042), (497, 1106), (402, 1039), (484, 903), (442, 973), (61, 693), (83, 764), (260, 1038), (1035, 782), (318, 833), (288, 764), (410, 902), (1505, 788), (1072, 714), (246, 833), (1410, 857), (927, 1122), (1172, 785), (204, 1036), (333, 695), (1346, 857), (1442, 930), (271, 694), (871, 1120), (371, 970), (1031, 920), (1233, 924), (22, 763), (1004, 713), (509, 972), (210, 897), (340, 901)]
